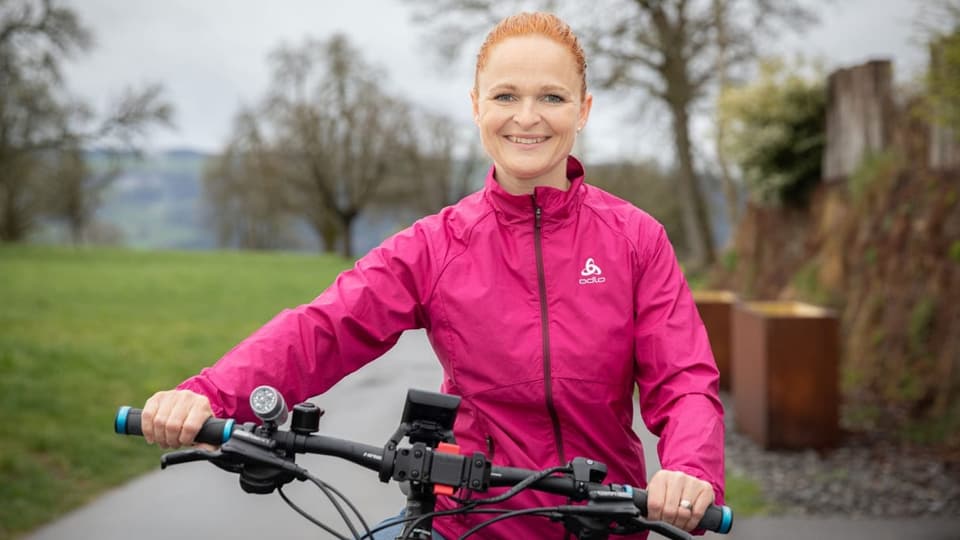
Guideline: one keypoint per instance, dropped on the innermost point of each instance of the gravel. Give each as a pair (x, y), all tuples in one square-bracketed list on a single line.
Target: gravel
[(861, 478)]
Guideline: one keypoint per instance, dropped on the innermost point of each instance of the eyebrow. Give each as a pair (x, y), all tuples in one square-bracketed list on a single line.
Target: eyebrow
[(546, 88)]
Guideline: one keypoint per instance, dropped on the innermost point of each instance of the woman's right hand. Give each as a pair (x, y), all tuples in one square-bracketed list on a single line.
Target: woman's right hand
[(173, 418)]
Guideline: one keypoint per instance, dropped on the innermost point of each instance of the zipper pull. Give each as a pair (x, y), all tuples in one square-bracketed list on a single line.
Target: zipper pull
[(537, 213)]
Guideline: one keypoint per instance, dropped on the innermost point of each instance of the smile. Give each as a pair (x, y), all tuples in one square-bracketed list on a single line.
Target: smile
[(525, 140)]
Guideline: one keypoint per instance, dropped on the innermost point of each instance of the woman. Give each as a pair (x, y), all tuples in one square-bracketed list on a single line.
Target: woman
[(546, 300)]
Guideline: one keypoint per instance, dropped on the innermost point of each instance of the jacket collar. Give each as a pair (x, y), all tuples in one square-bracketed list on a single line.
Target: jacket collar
[(555, 204)]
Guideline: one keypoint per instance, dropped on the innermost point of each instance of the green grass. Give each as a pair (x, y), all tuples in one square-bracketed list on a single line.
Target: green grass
[(83, 331), (745, 497), (955, 251)]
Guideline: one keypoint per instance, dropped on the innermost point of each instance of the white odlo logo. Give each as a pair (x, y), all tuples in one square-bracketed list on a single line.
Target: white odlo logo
[(591, 273)]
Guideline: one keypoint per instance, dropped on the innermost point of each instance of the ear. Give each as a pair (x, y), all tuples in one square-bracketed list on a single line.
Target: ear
[(474, 99), (584, 115)]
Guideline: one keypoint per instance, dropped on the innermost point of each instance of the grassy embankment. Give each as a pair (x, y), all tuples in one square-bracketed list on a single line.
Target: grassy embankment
[(84, 331)]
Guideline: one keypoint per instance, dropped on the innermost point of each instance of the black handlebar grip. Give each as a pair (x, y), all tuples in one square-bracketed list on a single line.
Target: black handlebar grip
[(214, 431), (717, 518)]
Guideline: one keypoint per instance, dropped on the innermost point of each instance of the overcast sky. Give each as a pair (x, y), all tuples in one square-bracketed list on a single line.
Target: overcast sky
[(211, 56)]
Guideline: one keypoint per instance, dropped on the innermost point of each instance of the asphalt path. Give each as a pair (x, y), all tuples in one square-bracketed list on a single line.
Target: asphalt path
[(198, 500)]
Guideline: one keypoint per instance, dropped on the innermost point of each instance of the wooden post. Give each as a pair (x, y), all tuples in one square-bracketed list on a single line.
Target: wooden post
[(786, 374), (715, 309), (860, 116)]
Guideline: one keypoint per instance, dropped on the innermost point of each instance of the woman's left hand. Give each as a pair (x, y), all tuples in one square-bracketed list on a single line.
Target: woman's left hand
[(678, 499)]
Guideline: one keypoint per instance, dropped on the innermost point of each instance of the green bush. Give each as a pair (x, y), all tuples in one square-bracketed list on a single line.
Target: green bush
[(955, 251), (876, 170), (777, 133), (921, 325), (943, 80), (729, 260)]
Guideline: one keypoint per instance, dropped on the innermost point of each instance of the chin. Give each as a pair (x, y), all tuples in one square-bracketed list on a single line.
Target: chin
[(526, 174), (530, 169)]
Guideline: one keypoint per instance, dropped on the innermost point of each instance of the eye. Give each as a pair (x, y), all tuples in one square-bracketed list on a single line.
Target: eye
[(503, 97), (553, 98)]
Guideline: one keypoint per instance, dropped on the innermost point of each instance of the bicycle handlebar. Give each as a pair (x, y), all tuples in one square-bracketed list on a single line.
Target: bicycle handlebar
[(717, 518), (215, 431), (219, 431)]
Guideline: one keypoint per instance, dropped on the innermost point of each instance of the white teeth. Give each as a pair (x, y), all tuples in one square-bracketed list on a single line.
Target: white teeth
[(522, 140)]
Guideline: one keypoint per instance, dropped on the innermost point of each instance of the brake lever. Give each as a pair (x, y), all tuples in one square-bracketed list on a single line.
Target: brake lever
[(187, 456), (664, 529), (242, 451), (626, 515), (629, 509)]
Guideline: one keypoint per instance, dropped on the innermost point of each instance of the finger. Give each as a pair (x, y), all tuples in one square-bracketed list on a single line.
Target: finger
[(193, 423), (656, 491), (178, 416), (702, 501), (671, 502), (685, 509), (147, 418), (687, 518), (160, 423)]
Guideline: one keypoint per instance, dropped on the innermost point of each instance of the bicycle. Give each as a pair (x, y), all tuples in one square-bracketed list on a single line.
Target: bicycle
[(430, 466)]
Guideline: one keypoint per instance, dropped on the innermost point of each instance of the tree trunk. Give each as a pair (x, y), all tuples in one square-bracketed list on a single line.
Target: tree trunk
[(679, 93), (720, 10), (12, 225), (346, 228), (328, 235), (76, 220), (730, 192), (695, 213)]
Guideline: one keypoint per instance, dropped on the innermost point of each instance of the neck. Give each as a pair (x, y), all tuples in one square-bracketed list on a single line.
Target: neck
[(526, 186)]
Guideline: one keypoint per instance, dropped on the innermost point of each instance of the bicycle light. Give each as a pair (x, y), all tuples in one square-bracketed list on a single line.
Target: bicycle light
[(268, 404)]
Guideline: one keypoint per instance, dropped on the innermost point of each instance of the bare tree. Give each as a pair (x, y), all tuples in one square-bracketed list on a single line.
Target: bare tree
[(251, 206), (340, 135), (446, 165), (646, 185), (666, 48), (336, 145), (38, 119), (934, 19), (79, 189)]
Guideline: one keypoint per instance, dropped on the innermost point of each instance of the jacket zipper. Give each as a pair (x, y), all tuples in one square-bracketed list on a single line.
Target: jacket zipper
[(545, 331)]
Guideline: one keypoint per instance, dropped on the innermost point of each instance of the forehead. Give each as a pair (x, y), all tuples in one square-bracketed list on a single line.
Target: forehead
[(532, 59)]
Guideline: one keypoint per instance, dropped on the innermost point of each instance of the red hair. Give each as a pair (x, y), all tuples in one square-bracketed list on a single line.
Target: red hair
[(537, 23)]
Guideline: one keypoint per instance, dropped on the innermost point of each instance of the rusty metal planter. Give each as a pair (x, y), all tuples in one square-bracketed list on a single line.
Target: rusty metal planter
[(785, 374), (715, 309)]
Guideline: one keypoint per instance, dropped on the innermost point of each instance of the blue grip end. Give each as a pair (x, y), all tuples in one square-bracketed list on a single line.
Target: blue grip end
[(227, 430), (726, 520), (120, 422)]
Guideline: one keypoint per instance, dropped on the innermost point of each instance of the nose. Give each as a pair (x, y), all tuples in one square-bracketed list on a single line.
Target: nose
[(527, 114)]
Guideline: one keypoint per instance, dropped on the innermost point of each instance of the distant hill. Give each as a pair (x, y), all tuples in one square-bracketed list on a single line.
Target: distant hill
[(157, 201)]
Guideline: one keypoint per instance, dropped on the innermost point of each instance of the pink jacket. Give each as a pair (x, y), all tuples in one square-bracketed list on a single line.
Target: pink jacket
[(545, 311)]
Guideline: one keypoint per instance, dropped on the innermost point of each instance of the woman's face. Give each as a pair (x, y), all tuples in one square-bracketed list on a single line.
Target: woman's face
[(528, 107)]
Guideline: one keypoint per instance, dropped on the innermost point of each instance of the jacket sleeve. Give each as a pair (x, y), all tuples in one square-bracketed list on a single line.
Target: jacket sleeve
[(676, 372), (304, 351)]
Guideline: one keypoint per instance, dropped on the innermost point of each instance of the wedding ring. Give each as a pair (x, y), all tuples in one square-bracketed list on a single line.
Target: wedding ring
[(686, 504)]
